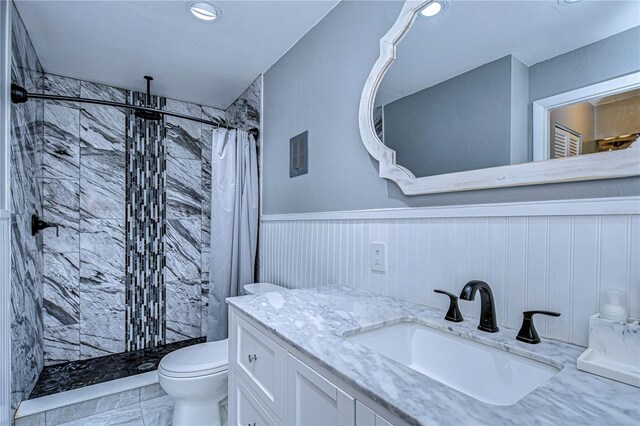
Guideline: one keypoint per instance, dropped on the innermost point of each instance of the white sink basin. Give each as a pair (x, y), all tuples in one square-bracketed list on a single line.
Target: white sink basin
[(485, 373)]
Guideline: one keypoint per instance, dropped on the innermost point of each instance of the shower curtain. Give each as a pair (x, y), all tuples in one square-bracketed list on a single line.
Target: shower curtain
[(234, 222)]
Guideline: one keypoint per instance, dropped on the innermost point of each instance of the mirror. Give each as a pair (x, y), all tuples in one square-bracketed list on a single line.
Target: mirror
[(485, 84)]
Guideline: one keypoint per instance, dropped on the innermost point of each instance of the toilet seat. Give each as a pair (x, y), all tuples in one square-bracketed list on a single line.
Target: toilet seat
[(197, 360)]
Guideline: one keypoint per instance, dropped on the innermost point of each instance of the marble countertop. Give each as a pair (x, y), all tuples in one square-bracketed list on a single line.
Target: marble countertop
[(315, 321)]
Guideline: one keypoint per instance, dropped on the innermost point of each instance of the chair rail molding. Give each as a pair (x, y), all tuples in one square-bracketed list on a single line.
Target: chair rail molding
[(578, 207), (603, 165)]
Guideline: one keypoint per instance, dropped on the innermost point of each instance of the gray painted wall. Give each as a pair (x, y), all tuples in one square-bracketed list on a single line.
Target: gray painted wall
[(463, 123), (317, 85)]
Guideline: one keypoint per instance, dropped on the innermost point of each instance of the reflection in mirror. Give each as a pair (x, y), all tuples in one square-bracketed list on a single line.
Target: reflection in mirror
[(595, 125), (459, 95)]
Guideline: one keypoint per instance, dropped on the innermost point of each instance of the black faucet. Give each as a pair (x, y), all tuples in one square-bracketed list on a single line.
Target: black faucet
[(38, 224), (488, 320)]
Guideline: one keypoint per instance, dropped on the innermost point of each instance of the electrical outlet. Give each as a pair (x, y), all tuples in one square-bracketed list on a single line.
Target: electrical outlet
[(378, 257)]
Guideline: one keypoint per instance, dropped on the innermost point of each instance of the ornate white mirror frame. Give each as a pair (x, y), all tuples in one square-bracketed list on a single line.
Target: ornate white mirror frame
[(603, 165)]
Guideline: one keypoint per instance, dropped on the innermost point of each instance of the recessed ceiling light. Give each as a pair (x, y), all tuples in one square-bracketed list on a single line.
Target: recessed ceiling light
[(568, 2), (204, 11), (433, 8)]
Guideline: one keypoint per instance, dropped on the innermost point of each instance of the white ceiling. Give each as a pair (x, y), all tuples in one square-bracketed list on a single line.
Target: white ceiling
[(118, 42), (472, 33)]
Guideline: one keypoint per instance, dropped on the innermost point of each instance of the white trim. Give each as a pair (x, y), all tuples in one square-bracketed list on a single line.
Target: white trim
[(603, 165), (74, 396), (541, 107), (5, 213), (582, 207)]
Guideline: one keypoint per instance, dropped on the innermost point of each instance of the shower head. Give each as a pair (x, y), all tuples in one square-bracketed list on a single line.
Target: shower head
[(148, 115)]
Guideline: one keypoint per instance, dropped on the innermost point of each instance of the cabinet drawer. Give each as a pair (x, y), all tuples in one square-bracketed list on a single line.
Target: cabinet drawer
[(260, 361), (248, 409)]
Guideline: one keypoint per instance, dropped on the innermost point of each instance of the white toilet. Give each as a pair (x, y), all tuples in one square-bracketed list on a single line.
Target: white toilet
[(196, 376)]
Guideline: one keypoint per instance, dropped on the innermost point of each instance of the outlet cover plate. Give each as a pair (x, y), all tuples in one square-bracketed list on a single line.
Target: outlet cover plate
[(378, 257)]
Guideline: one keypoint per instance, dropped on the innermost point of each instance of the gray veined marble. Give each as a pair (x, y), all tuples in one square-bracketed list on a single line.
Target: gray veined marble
[(61, 130), (245, 111), (63, 86), (184, 306), (61, 289), (183, 136), (61, 204), (183, 250), (26, 198), (183, 188), (314, 322), (61, 344), (102, 154), (102, 288), (26, 309)]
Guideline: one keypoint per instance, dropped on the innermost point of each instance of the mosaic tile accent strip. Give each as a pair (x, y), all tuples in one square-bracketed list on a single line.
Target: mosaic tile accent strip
[(145, 223)]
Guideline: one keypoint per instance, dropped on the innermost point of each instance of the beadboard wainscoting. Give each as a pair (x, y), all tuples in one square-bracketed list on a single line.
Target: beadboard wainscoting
[(541, 255)]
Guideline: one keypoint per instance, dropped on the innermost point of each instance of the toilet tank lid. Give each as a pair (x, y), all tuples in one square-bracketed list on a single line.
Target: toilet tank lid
[(260, 288), (201, 358)]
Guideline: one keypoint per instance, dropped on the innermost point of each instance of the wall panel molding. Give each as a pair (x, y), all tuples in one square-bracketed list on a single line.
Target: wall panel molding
[(579, 207), (556, 261)]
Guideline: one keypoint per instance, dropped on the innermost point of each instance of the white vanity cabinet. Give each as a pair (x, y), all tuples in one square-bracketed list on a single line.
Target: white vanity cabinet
[(270, 386), (313, 400)]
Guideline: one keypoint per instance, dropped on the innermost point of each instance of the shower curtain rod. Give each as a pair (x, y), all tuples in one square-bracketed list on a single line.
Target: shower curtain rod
[(20, 95)]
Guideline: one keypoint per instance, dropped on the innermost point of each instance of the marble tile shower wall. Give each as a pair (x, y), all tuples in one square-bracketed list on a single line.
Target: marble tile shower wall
[(26, 199), (84, 191)]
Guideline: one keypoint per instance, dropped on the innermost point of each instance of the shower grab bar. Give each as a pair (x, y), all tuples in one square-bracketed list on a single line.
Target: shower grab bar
[(20, 95)]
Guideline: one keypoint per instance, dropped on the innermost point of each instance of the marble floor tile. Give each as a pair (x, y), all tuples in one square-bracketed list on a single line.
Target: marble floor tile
[(119, 409), (32, 420), (184, 198), (61, 204), (158, 411), (61, 289), (183, 136), (183, 249), (61, 344), (184, 310), (151, 392)]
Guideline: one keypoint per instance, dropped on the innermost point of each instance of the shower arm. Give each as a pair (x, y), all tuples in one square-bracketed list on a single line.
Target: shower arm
[(20, 95)]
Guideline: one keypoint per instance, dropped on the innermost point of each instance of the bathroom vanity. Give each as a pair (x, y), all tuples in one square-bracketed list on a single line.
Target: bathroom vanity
[(336, 355)]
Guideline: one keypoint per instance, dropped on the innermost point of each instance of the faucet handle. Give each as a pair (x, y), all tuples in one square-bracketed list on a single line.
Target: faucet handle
[(528, 332), (453, 314)]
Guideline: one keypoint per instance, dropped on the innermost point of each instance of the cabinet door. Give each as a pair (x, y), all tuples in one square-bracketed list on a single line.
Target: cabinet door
[(366, 417), (259, 361), (313, 400), (244, 409)]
